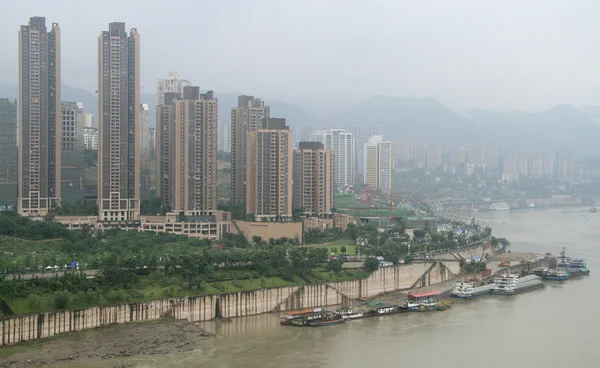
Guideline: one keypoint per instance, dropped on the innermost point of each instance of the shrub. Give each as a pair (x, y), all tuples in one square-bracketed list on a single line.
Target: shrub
[(343, 250), (33, 300), (203, 286), (61, 299), (218, 286), (371, 264), (237, 283), (117, 296)]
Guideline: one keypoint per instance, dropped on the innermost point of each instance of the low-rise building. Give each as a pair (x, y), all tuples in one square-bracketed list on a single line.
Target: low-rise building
[(196, 224), (338, 221)]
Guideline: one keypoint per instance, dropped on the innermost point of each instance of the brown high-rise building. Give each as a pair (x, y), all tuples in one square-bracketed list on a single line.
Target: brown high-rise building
[(247, 116), (269, 171), (39, 118), (313, 178), (187, 151), (119, 145)]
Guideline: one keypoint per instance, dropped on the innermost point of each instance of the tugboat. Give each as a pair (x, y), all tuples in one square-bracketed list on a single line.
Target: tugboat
[(557, 274), (540, 271), (563, 260)]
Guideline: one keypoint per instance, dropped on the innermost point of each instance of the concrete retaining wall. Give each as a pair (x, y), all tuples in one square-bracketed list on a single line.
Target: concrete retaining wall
[(238, 304)]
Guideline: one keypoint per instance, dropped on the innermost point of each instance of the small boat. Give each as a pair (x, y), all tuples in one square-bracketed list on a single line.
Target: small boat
[(540, 271), (593, 210), (443, 305)]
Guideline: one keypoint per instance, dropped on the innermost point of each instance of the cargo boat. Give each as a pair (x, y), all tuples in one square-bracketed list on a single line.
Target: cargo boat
[(510, 284), (350, 313), (334, 320), (467, 292), (307, 318)]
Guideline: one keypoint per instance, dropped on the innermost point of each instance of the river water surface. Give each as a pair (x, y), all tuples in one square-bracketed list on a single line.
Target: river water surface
[(558, 326)]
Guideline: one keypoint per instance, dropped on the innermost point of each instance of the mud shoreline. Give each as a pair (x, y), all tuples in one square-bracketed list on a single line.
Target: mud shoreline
[(123, 340)]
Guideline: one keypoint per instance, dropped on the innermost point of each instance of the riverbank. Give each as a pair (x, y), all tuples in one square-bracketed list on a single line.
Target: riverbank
[(162, 336)]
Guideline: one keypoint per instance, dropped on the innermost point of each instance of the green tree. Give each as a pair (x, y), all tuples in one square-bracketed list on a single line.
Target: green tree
[(371, 264), (61, 299), (33, 300), (335, 265)]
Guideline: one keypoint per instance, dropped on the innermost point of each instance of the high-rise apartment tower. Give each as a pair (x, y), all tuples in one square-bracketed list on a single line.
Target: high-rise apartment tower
[(171, 84), (341, 143), (246, 117), (119, 119), (8, 154), (187, 151), (269, 171), (313, 178), (39, 118)]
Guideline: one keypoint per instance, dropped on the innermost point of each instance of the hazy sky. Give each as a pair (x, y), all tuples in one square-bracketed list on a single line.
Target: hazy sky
[(511, 54)]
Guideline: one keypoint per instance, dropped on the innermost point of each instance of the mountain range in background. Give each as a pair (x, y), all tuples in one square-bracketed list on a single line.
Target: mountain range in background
[(417, 119)]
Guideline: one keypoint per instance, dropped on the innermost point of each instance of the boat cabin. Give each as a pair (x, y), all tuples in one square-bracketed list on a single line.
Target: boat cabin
[(424, 298)]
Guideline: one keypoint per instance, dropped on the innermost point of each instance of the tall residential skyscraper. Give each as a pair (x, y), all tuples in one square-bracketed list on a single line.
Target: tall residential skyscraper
[(171, 84), (564, 164), (73, 121), (224, 134), (384, 166), (8, 154), (246, 117), (378, 164), (119, 124), (144, 137), (187, 152), (313, 178), (270, 171), (165, 148), (434, 156), (341, 143), (370, 151), (39, 118)]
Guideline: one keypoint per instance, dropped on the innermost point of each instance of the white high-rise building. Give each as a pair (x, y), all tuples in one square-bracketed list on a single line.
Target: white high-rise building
[(152, 138), (90, 138), (171, 84), (88, 120), (224, 143), (342, 144), (378, 164)]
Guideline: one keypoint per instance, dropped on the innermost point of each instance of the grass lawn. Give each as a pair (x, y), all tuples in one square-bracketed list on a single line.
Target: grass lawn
[(325, 275), (338, 244), (347, 200)]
